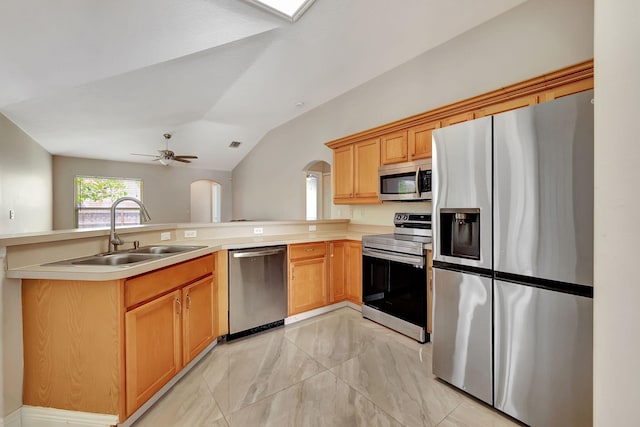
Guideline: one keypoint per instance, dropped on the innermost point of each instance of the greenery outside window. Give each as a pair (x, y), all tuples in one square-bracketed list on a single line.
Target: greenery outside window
[(95, 195)]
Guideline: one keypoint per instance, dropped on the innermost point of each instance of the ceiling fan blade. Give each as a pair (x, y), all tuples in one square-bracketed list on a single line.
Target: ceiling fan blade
[(148, 155), (178, 159), (186, 157)]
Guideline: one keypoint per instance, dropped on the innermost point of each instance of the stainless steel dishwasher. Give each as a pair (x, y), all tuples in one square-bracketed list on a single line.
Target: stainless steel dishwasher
[(257, 289)]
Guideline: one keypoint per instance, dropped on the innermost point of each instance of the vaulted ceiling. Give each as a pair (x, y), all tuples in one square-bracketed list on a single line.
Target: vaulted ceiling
[(104, 79)]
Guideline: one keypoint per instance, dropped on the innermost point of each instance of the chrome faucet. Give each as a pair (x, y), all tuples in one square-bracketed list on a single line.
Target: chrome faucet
[(114, 239)]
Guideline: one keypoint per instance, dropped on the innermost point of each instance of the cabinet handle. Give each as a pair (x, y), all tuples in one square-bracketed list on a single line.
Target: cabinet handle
[(188, 301), (309, 250), (293, 273), (179, 306)]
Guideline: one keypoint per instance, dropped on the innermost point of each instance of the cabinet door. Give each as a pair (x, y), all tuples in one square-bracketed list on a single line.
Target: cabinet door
[(307, 285), (367, 161), (512, 104), (343, 173), (458, 118), (394, 148), (354, 272), (420, 140), (199, 329), (337, 276), (153, 347), (568, 89)]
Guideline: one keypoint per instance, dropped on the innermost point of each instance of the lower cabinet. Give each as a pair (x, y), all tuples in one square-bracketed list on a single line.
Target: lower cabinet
[(353, 266), (153, 348), (337, 271), (107, 347), (307, 277)]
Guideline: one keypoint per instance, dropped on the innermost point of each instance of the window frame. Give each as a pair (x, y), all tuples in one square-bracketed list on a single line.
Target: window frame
[(77, 208)]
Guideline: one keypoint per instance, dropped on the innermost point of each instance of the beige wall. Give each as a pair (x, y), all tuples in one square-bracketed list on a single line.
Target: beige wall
[(25, 181), (617, 151), (166, 189), (527, 41)]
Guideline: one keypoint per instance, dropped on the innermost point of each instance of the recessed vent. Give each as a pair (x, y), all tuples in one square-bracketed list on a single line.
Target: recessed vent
[(235, 144)]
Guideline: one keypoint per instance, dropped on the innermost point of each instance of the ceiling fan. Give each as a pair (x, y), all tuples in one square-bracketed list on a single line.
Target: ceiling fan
[(166, 156)]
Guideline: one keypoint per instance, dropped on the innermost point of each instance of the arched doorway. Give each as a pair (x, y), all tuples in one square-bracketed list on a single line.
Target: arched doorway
[(205, 201), (317, 181)]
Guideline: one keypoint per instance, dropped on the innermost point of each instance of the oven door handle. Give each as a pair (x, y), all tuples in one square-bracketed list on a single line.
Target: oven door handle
[(416, 261)]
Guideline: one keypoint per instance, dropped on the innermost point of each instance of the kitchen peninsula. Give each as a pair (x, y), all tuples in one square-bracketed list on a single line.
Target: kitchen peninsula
[(88, 329)]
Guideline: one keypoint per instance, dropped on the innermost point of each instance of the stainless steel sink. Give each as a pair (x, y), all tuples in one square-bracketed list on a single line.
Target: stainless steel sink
[(133, 256), (115, 259), (164, 249)]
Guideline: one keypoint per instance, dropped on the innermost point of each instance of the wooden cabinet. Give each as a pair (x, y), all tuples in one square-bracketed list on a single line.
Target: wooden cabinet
[(355, 173), (307, 277), (419, 140), (353, 267), (199, 317), (153, 347), (337, 270), (568, 89), (107, 347), (343, 170), (394, 148), (429, 291), (509, 105), (458, 118)]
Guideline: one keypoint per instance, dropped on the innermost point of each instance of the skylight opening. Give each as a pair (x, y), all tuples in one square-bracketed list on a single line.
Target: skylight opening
[(291, 10)]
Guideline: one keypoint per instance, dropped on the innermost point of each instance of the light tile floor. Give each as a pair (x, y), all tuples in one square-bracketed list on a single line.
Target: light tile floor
[(337, 369)]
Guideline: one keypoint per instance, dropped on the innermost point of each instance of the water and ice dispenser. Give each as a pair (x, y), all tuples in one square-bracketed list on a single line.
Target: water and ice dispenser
[(460, 233)]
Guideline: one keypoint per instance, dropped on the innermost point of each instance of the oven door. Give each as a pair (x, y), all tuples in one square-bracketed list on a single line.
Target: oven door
[(395, 284)]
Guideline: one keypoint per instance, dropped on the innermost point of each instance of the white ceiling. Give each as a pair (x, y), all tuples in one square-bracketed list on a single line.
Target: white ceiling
[(104, 79)]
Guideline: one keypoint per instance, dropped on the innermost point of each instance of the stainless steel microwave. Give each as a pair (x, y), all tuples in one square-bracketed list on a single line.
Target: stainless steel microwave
[(409, 181)]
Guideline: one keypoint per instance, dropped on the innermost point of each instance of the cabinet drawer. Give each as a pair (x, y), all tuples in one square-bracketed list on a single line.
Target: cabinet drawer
[(149, 285), (307, 250)]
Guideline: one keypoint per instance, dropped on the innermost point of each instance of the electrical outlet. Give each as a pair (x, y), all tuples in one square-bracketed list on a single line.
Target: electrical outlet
[(312, 228), (190, 233), (258, 230), (165, 236)]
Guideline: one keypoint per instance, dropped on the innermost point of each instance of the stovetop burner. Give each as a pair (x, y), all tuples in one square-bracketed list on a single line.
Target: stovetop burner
[(412, 233)]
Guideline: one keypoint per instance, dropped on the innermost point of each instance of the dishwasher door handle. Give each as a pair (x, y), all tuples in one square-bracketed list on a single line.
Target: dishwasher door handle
[(253, 254)]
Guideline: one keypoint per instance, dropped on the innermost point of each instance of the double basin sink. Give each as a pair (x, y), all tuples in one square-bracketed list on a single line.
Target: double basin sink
[(129, 257)]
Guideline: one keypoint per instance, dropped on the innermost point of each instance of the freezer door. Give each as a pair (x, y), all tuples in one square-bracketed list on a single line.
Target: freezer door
[(462, 180), (462, 351), (543, 355), (543, 199)]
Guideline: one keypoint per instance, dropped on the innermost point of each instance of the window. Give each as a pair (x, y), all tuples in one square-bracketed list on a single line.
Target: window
[(95, 195), (312, 195), (291, 10)]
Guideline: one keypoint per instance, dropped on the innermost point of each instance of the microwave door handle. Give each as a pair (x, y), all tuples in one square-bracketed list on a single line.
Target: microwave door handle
[(418, 192)]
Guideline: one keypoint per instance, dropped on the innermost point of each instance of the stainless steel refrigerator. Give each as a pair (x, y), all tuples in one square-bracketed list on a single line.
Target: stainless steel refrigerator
[(541, 293)]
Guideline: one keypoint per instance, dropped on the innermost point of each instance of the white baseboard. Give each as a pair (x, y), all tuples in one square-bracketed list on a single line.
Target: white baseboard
[(318, 311), (35, 416), (14, 419)]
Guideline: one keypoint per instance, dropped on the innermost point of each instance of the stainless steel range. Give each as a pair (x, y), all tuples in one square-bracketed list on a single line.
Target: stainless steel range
[(394, 276)]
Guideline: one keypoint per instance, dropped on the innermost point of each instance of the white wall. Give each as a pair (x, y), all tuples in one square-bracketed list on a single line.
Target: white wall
[(617, 152), (25, 187), (25, 181), (537, 37), (166, 189)]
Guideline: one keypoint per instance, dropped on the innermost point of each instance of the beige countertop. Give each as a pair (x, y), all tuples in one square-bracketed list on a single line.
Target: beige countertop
[(102, 273)]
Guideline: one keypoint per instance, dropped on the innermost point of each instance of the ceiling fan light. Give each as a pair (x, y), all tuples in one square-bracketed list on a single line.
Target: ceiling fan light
[(165, 162)]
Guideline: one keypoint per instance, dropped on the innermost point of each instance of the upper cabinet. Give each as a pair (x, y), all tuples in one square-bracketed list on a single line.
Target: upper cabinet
[(393, 148), (356, 158), (355, 173), (419, 140)]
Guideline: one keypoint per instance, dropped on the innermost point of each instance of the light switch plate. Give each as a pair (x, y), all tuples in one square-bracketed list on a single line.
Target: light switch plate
[(258, 230), (190, 233), (165, 236), (312, 228)]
